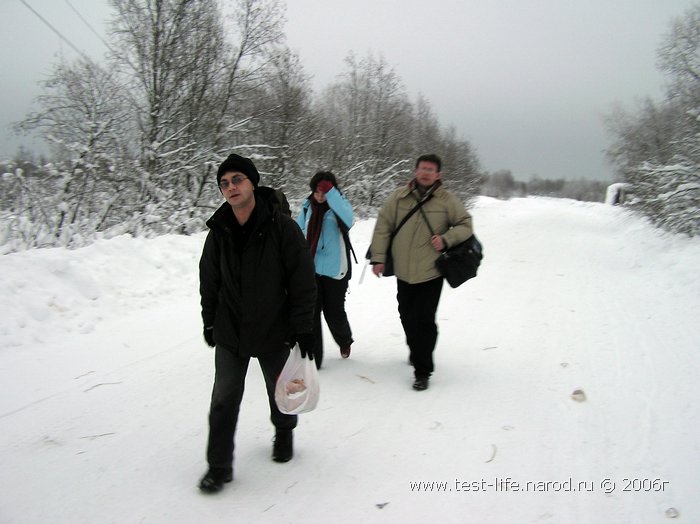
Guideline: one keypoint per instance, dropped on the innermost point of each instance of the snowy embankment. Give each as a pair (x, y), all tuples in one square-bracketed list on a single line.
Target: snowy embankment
[(106, 382)]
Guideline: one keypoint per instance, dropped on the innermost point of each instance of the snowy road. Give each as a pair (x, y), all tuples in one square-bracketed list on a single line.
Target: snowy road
[(105, 386)]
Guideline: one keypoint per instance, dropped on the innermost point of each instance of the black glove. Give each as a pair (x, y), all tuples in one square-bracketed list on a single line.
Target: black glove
[(306, 343), (209, 336)]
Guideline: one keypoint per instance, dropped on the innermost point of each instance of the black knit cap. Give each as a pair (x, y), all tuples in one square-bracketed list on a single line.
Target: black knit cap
[(239, 164)]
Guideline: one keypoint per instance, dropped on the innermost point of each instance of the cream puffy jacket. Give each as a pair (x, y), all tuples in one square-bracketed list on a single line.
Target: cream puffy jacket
[(414, 256)]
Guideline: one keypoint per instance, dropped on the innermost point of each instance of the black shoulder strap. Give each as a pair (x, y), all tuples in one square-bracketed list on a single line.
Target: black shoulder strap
[(420, 203), (428, 195), (345, 231), (430, 228)]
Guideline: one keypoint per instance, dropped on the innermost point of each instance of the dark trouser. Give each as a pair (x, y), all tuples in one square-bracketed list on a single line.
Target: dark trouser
[(417, 308), (330, 298), (226, 398)]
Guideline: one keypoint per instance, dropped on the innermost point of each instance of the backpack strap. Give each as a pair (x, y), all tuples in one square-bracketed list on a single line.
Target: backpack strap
[(282, 203), (345, 231)]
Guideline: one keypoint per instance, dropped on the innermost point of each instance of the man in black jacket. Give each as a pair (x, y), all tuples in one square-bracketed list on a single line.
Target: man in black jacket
[(258, 297)]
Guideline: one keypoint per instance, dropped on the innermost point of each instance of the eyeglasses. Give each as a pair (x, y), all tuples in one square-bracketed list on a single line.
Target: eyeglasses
[(236, 181)]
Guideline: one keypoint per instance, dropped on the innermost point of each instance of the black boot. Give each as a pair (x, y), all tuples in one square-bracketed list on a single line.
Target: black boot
[(214, 479), (421, 383), (283, 448)]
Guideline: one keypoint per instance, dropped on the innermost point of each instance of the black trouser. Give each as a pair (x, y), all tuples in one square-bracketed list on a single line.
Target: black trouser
[(330, 299), (417, 307), (229, 383)]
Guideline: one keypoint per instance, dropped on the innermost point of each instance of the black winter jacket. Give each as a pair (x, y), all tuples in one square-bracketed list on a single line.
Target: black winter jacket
[(257, 300)]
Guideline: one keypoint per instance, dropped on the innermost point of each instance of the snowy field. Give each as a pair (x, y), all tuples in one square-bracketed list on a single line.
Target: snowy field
[(105, 383)]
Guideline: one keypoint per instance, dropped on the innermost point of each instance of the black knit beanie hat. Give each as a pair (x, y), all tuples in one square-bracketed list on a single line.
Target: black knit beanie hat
[(239, 164)]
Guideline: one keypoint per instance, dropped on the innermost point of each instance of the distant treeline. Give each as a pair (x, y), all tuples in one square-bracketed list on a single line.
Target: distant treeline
[(501, 184)]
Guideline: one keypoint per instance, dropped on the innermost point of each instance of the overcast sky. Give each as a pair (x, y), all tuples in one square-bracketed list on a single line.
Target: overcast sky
[(527, 82)]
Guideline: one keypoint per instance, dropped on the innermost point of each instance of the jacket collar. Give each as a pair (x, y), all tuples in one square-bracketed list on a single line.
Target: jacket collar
[(222, 216), (411, 188)]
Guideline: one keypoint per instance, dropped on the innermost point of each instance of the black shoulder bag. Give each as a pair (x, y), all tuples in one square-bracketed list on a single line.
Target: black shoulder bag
[(461, 262)]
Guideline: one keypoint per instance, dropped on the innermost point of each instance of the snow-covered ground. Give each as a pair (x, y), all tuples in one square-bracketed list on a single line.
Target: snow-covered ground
[(105, 383)]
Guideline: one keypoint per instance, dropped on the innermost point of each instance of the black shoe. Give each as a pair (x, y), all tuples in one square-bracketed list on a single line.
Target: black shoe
[(420, 384), (214, 480), (283, 448), (345, 351)]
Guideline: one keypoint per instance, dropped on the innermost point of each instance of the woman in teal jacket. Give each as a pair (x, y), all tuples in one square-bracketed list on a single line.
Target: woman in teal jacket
[(325, 218)]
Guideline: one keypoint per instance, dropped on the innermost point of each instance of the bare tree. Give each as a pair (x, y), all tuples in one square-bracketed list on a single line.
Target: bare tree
[(645, 136), (287, 128), (367, 122), (427, 134), (82, 114), (191, 86), (679, 54), (657, 150), (171, 51), (461, 164)]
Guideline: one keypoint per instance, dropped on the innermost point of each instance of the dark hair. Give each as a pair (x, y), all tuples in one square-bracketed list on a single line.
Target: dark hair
[(322, 175), (432, 158)]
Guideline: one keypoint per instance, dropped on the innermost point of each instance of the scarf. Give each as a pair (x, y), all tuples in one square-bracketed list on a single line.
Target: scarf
[(313, 230)]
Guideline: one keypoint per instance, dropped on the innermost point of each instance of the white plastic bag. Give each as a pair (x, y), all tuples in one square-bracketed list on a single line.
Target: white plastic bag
[(297, 389)]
